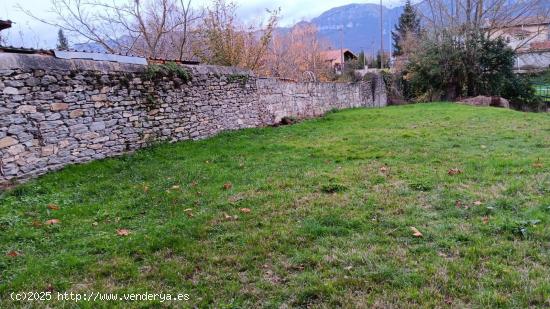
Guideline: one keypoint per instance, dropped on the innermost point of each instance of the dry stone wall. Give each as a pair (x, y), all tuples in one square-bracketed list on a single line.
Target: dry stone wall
[(55, 112)]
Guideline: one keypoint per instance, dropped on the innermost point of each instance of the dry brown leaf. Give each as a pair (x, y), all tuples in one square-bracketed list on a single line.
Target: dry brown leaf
[(454, 171), (477, 203), (122, 232), (538, 165), (230, 218), (13, 254), (245, 210), (53, 207), (227, 186), (458, 204), (175, 187), (189, 212), (384, 169), (416, 232), (145, 189), (52, 222), (36, 223), (485, 220)]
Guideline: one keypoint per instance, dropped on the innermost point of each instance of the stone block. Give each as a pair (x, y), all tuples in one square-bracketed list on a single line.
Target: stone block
[(11, 91), (76, 113), (99, 97), (26, 109), (7, 142), (48, 150), (48, 79), (56, 107), (14, 83), (97, 126), (16, 149)]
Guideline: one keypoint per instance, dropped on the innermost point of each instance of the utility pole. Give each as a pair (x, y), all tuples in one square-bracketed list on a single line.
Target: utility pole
[(390, 45), (342, 50), (381, 82), (381, 37)]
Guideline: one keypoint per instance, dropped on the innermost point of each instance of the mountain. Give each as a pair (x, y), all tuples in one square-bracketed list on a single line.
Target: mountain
[(360, 24)]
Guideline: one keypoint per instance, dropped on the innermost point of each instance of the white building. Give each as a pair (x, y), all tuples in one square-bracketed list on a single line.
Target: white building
[(530, 38)]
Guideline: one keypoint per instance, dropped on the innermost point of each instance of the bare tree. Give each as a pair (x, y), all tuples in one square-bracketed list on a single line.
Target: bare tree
[(465, 18), (226, 41), (149, 28), (465, 50)]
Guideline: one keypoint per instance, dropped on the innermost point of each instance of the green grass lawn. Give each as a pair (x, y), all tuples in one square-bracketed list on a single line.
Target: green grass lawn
[(332, 202)]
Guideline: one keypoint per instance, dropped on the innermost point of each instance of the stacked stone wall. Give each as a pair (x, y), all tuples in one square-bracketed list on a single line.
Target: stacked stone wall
[(55, 112)]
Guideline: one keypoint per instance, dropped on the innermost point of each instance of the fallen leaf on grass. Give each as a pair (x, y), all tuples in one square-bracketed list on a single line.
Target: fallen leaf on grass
[(122, 232), (416, 232), (477, 203), (36, 223), (227, 186), (485, 220), (52, 222), (53, 207), (384, 169), (245, 210), (230, 218), (483, 146), (459, 204), (235, 198), (189, 213), (95, 224), (538, 165), (13, 254), (454, 171)]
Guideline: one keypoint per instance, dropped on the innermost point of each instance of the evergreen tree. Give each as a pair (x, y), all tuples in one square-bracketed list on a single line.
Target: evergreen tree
[(62, 41), (362, 60), (409, 23)]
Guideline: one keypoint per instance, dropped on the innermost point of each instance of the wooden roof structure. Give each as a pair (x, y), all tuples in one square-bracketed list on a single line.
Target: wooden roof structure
[(5, 24)]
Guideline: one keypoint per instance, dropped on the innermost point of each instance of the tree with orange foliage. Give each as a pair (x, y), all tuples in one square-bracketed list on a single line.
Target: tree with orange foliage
[(293, 54)]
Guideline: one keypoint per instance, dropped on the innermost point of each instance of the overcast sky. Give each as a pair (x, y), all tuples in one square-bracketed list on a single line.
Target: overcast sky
[(31, 33)]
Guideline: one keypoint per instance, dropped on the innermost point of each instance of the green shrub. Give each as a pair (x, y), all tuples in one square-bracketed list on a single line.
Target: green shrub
[(520, 92), (240, 78), (170, 70)]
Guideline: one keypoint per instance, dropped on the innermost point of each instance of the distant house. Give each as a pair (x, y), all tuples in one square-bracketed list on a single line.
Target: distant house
[(530, 37), (334, 57)]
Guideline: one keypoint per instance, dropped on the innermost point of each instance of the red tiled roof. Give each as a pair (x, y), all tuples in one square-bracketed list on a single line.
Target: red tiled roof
[(540, 45), (333, 55)]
